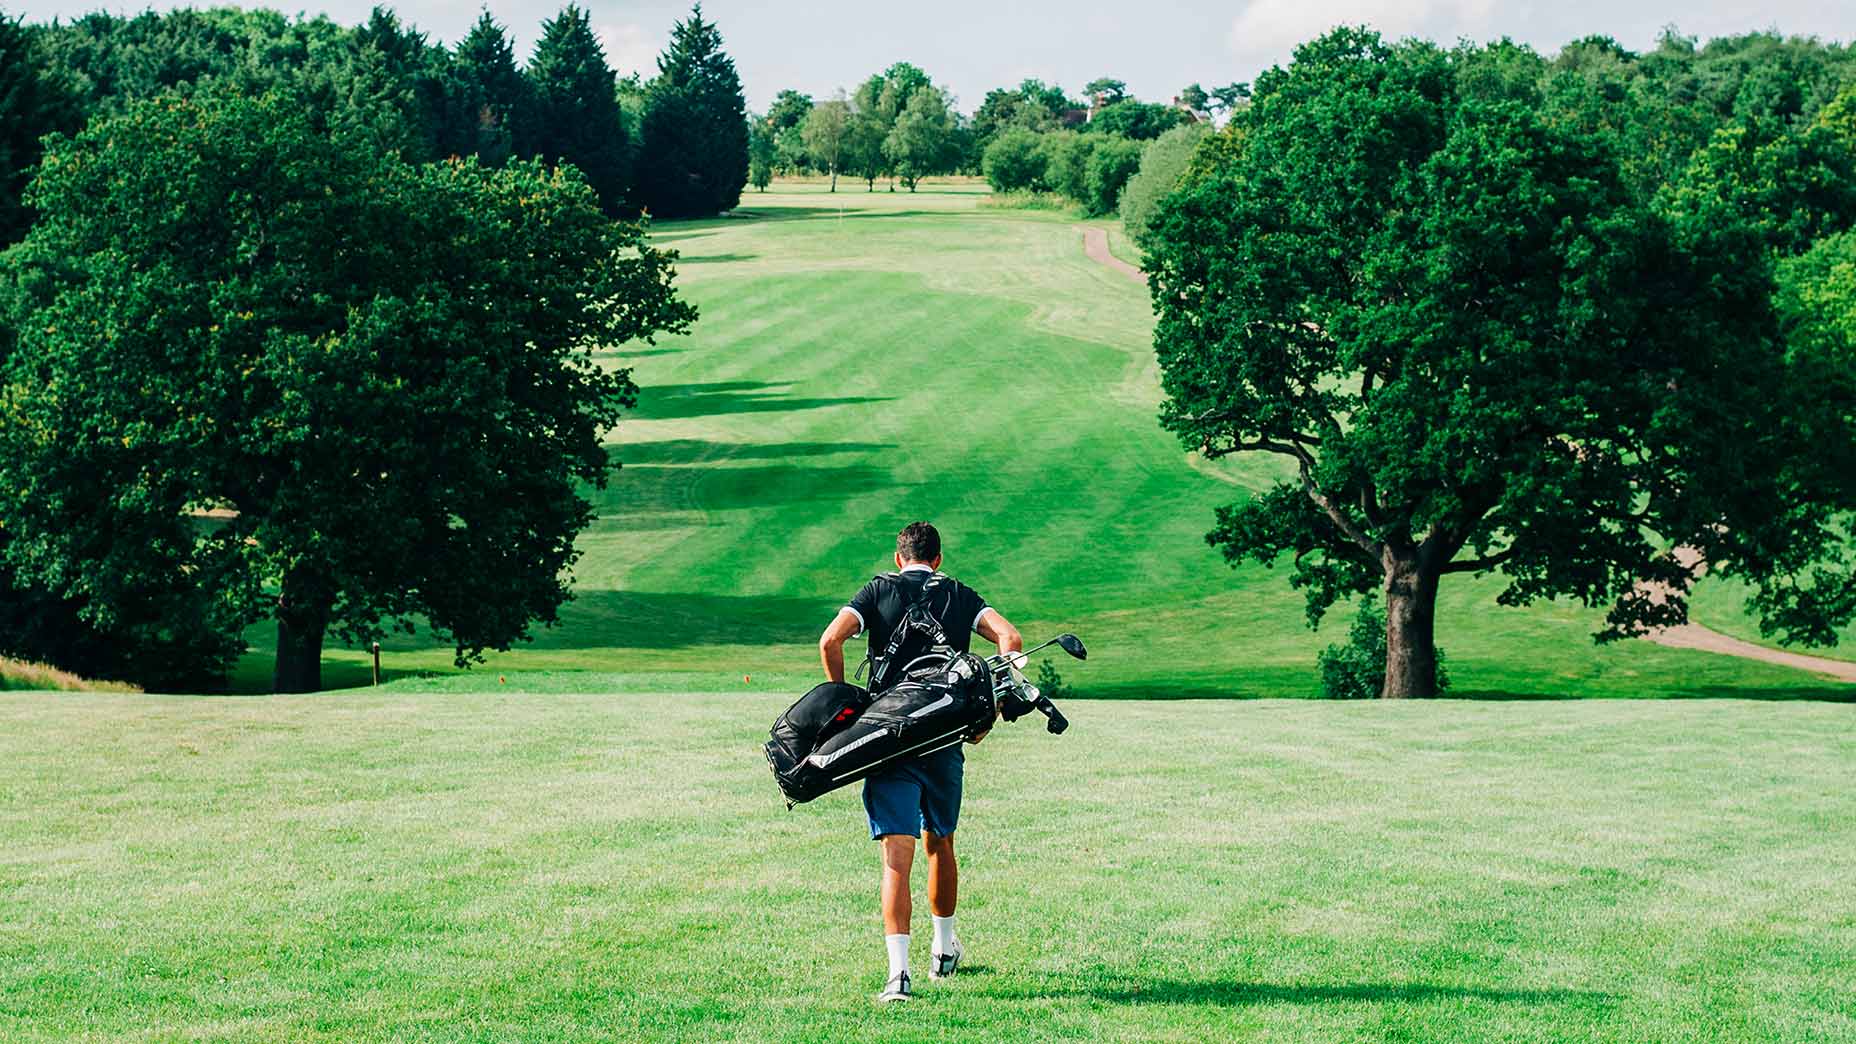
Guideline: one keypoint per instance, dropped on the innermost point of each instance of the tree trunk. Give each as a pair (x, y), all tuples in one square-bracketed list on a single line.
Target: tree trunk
[(1411, 616), (834, 179), (302, 619)]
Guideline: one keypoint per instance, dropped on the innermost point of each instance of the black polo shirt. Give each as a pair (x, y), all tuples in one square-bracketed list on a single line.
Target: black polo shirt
[(885, 600)]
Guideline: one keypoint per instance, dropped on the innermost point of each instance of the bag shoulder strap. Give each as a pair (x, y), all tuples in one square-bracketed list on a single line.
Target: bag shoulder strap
[(917, 618)]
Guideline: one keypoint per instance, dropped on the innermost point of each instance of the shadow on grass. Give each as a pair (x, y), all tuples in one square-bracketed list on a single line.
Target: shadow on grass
[(720, 398), (1779, 694), (1240, 994), (629, 353), (705, 451), (709, 259), (653, 495), (656, 620)]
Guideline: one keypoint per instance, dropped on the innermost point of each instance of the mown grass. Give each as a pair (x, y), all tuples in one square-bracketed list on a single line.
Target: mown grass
[(865, 359), (516, 867)]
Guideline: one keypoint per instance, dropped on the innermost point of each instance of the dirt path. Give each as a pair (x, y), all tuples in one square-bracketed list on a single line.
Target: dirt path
[(1687, 636), (1095, 244)]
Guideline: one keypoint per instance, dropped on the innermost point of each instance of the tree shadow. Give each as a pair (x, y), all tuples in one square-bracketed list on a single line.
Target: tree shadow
[(661, 620), (717, 398), (1242, 994), (626, 353), (1779, 694), (706, 259), (705, 451), (654, 489)]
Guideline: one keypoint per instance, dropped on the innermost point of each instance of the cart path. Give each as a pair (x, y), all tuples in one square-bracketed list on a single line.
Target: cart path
[(1095, 244), (1686, 636), (1695, 636)]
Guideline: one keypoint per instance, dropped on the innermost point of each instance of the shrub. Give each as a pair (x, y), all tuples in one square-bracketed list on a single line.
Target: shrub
[(1356, 670), (1111, 163), (1051, 684), (1014, 162), (1162, 163), (1066, 162)]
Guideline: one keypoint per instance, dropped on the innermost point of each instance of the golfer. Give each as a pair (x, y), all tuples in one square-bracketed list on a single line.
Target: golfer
[(918, 798)]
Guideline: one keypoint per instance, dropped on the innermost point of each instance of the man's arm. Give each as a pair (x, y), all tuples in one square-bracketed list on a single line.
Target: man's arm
[(844, 627), (996, 629)]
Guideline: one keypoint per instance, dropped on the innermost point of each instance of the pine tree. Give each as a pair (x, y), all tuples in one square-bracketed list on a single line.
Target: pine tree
[(576, 117), (485, 97), (695, 127)]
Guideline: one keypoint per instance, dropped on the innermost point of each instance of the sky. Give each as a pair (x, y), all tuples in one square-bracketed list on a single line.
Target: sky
[(1157, 46)]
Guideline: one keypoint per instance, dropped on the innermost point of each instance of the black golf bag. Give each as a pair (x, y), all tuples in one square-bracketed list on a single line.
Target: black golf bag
[(838, 733)]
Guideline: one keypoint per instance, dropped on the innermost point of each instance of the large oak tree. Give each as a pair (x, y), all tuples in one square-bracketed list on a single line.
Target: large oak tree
[(264, 370), (1479, 350)]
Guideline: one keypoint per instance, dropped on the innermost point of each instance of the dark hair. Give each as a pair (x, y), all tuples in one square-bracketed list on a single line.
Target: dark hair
[(918, 542)]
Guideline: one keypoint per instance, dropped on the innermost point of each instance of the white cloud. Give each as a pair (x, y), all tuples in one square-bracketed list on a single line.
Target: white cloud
[(629, 48), (1270, 29)]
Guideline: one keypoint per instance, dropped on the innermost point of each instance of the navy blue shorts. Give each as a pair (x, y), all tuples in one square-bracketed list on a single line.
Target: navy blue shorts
[(923, 793)]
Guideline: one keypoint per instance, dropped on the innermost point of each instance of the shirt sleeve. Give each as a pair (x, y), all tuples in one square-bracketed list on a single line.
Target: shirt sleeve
[(974, 609), (863, 606)]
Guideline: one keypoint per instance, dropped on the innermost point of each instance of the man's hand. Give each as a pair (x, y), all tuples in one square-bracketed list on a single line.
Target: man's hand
[(831, 644)]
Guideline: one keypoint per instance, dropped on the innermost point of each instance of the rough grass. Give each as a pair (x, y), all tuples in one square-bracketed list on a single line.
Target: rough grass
[(399, 866), (21, 675)]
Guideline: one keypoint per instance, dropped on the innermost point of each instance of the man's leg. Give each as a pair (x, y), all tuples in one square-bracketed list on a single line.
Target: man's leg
[(898, 859), (943, 873)]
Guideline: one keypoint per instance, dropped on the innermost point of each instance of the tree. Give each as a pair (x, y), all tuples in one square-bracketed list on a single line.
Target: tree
[(1229, 98), (376, 377), (1139, 120), (576, 117), (1066, 162), (1014, 162), (486, 97), (761, 154), (32, 105), (1104, 91), (695, 126), (922, 141), (1163, 162), (1111, 164), (863, 143), (1032, 105), (1480, 351), (784, 119), (1194, 98), (824, 131)]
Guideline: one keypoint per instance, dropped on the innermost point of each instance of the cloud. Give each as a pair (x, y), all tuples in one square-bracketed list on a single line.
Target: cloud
[(1270, 29), (629, 48)]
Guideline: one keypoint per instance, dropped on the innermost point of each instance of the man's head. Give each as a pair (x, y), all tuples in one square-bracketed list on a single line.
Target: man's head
[(918, 542)]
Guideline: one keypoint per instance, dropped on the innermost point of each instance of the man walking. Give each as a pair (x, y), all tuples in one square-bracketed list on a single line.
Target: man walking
[(918, 798)]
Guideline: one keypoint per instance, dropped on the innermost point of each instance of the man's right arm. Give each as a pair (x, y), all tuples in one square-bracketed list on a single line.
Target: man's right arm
[(845, 626)]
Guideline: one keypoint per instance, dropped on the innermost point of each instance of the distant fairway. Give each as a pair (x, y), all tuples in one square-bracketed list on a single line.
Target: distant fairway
[(920, 356), (407, 866)]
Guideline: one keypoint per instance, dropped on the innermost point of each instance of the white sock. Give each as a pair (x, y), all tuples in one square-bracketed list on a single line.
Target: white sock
[(944, 941), (898, 953)]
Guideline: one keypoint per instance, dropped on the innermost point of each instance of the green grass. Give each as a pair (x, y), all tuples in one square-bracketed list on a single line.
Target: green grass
[(865, 359), (406, 866)]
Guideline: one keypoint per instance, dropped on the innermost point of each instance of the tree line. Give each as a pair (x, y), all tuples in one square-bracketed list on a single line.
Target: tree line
[(1584, 321), (674, 146), (899, 125)]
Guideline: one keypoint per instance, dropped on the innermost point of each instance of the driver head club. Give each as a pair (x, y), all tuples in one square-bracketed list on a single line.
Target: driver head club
[(1073, 645)]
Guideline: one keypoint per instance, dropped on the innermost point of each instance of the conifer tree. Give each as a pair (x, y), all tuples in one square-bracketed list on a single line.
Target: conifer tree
[(576, 117), (695, 127), (486, 96)]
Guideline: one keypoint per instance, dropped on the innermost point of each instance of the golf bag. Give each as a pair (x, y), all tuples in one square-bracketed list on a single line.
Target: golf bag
[(838, 733)]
